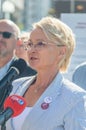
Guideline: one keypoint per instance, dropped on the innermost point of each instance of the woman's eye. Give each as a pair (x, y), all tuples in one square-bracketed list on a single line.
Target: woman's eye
[(41, 44)]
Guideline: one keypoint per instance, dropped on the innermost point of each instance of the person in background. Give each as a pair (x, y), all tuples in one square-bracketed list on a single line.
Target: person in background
[(9, 36), (20, 51), (9, 33), (53, 102), (79, 75)]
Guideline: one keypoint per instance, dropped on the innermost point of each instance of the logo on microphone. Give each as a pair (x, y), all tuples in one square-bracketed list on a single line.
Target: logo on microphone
[(21, 102), (17, 99)]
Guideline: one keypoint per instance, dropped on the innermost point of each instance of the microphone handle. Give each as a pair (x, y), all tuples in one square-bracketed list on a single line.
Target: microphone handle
[(4, 116)]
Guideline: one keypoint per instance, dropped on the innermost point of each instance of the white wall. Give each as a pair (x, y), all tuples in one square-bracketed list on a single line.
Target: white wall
[(77, 22)]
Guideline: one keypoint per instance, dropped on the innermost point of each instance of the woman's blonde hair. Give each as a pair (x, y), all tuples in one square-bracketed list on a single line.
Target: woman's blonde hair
[(60, 34)]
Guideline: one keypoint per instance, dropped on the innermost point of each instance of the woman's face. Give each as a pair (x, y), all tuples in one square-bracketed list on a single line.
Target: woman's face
[(43, 55)]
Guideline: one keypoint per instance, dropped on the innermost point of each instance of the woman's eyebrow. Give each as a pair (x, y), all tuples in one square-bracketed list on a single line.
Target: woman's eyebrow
[(36, 40)]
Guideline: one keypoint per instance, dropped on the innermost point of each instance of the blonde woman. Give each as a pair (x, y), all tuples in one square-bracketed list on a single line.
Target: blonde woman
[(53, 102)]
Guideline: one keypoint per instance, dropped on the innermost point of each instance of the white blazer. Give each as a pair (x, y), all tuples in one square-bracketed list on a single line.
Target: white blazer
[(66, 110)]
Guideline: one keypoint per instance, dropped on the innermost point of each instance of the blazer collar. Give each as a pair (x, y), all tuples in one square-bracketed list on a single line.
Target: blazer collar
[(21, 85)]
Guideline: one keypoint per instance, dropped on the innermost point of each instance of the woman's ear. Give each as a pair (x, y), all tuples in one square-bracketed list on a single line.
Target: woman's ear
[(62, 51)]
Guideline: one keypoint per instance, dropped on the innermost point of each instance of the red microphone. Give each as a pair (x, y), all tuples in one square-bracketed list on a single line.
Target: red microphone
[(13, 106)]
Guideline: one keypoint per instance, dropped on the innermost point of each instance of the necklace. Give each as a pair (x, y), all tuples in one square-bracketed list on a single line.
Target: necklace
[(37, 89), (40, 88)]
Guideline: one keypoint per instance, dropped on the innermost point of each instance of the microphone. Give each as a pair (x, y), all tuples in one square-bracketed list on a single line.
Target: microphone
[(13, 106), (17, 68)]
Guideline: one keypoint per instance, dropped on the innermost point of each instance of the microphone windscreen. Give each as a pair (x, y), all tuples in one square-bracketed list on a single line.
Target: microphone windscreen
[(16, 103), (20, 64)]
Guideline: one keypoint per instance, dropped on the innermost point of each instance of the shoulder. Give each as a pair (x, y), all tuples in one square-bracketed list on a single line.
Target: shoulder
[(72, 93), (79, 75), (80, 69), (81, 66)]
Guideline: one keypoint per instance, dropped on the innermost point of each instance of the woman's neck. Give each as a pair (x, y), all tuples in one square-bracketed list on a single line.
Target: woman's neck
[(45, 78)]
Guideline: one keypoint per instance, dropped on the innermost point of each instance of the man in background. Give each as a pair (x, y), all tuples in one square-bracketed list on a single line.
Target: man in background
[(9, 33), (9, 36)]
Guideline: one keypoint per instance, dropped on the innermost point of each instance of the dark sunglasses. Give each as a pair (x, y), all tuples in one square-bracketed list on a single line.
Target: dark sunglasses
[(6, 34)]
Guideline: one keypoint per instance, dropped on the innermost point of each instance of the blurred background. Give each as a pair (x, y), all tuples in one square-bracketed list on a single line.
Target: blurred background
[(73, 12), (25, 12)]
